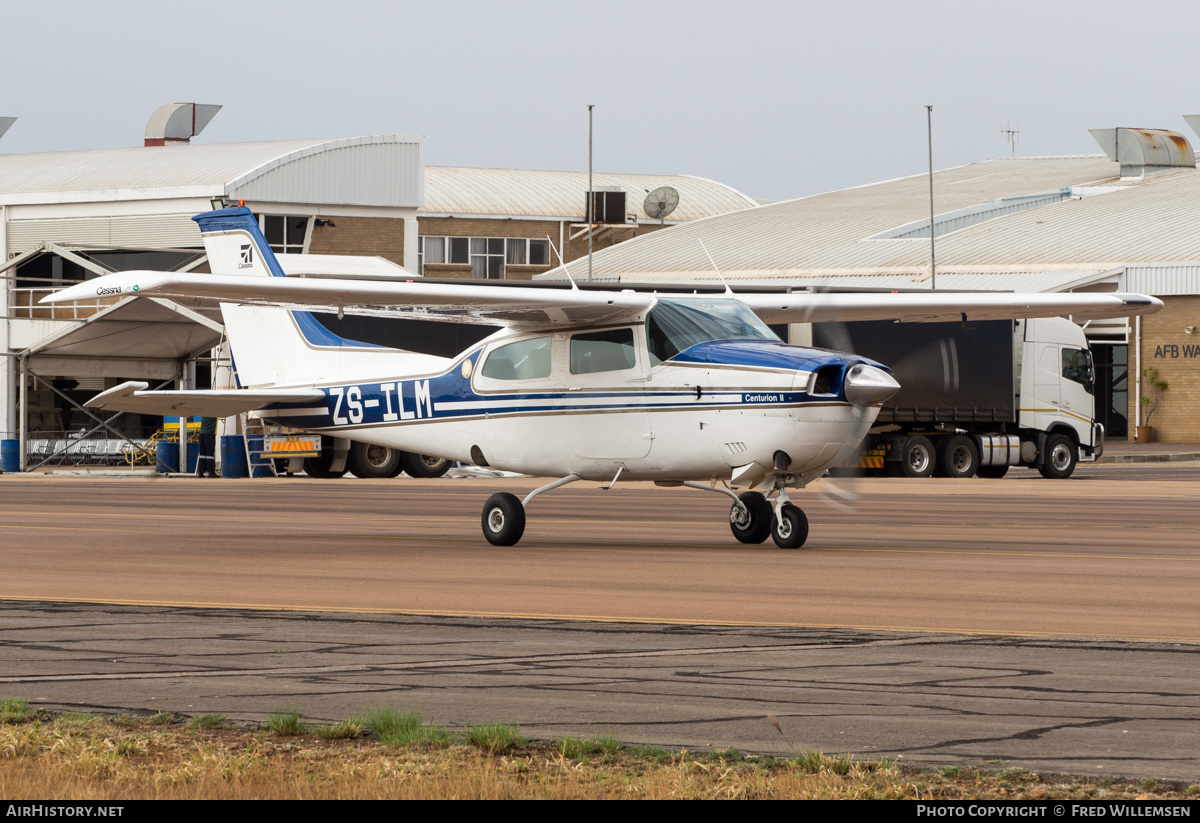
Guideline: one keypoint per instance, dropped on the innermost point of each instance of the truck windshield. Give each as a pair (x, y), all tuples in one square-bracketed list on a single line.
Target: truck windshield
[(673, 326)]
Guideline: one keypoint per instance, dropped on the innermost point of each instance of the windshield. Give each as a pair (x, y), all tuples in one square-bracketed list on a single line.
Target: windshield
[(675, 325)]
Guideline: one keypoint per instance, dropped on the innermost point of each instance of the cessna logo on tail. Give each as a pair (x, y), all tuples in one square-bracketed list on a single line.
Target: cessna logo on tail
[(247, 260)]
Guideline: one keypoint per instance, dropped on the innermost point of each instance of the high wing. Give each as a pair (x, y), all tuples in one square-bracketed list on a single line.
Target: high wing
[(417, 298), (939, 307), (133, 396), (539, 306)]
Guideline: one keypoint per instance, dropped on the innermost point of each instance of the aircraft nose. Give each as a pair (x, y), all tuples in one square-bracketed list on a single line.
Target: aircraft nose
[(868, 385)]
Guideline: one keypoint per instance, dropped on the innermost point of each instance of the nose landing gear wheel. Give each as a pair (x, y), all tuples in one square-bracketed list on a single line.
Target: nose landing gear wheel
[(754, 524), (503, 519), (791, 531)]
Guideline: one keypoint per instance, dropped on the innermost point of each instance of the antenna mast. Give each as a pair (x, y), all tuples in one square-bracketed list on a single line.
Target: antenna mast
[(1010, 134)]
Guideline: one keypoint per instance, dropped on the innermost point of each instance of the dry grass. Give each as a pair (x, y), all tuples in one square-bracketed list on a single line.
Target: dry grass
[(95, 758)]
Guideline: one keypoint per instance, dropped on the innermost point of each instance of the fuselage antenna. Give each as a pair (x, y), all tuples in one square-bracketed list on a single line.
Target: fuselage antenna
[(561, 263), (728, 290)]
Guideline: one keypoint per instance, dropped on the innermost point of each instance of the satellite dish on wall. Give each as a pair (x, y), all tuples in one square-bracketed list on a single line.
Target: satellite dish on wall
[(660, 202)]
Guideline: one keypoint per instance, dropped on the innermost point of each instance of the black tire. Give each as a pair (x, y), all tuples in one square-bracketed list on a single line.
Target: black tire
[(369, 460), (992, 472), (917, 457), (503, 519), (756, 527), (792, 531), (422, 465), (958, 456), (319, 467), (1059, 457)]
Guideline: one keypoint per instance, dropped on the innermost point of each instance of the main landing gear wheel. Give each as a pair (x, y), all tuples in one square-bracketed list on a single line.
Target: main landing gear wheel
[(791, 531), (754, 524), (503, 519)]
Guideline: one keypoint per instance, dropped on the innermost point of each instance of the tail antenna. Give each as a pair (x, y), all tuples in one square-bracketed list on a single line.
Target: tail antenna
[(728, 290), (561, 263)]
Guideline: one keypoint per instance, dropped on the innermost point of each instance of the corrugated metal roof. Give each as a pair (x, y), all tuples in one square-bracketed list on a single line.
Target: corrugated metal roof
[(561, 195), (1018, 281), (1163, 280), (289, 170), (1153, 221)]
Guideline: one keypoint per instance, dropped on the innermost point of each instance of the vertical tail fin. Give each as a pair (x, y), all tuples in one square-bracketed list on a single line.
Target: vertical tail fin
[(272, 346), (235, 244)]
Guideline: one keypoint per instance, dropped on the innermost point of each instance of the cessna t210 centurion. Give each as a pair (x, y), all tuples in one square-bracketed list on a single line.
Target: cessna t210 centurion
[(577, 384)]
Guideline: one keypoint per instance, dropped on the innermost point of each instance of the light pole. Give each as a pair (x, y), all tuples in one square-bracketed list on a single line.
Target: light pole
[(932, 257), (591, 197)]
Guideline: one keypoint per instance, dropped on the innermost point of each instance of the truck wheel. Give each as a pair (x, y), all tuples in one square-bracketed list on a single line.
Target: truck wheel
[(958, 456), (319, 467), (1058, 458), (753, 526), (422, 465), (369, 460), (992, 472), (917, 457)]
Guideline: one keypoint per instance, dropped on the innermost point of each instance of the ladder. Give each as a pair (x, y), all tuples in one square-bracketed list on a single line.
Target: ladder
[(253, 427)]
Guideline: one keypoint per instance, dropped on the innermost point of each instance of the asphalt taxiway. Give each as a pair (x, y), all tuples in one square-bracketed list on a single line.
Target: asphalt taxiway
[(1051, 625)]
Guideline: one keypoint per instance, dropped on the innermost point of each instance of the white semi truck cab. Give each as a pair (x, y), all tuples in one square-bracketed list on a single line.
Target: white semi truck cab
[(1056, 380), (980, 398)]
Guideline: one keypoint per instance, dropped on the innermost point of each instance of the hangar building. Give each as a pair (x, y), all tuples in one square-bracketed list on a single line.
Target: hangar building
[(70, 216), (1127, 220)]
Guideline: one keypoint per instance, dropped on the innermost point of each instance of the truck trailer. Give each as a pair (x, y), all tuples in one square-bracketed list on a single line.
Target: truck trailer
[(978, 398)]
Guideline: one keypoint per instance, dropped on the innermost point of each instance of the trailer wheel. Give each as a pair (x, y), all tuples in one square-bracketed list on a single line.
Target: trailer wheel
[(370, 460), (1058, 457), (320, 466), (958, 456), (422, 465), (917, 457), (992, 472)]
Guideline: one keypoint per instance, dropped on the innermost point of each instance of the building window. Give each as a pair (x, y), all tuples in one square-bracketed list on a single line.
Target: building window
[(487, 256), (285, 234)]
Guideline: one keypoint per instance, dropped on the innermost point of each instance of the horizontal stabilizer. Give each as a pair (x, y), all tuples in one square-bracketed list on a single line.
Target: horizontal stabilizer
[(133, 396)]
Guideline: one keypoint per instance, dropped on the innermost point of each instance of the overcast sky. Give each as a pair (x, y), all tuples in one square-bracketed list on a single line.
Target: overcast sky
[(777, 99)]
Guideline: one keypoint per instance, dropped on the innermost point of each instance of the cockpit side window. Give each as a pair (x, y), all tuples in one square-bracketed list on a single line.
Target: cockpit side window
[(602, 351), (523, 360), (673, 326)]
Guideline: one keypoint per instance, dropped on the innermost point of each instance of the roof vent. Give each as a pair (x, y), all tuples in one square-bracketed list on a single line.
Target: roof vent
[(177, 123), (5, 122), (1145, 152)]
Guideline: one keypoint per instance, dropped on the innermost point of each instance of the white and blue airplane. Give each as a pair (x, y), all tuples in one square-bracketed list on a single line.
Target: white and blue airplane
[(577, 384)]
